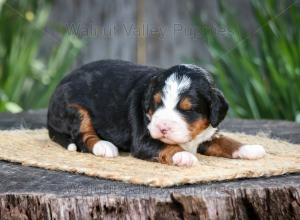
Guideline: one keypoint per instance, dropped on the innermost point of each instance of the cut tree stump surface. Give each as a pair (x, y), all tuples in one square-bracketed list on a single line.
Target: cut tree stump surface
[(34, 193)]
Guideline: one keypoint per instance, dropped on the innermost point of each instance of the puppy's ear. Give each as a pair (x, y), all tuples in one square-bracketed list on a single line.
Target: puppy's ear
[(149, 92), (218, 107)]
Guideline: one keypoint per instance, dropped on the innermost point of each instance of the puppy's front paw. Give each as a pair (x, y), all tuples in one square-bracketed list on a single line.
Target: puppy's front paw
[(105, 149), (184, 158), (250, 152)]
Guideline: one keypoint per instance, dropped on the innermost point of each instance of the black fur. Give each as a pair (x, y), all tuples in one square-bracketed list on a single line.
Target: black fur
[(117, 95)]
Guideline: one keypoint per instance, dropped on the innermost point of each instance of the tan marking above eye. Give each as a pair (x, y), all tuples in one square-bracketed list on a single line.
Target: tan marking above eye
[(157, 98), (185, 104)]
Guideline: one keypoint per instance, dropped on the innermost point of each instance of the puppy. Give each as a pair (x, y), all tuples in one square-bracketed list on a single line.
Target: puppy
[(163, 115)]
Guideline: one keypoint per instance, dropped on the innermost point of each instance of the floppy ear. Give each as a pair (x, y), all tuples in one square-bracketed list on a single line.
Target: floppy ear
[(218, 107), (149, 92)]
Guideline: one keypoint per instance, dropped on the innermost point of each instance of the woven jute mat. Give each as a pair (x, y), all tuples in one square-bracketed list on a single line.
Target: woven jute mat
[(34, 148)]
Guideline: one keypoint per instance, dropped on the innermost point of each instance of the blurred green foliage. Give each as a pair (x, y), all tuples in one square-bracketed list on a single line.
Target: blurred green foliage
[(27, 79), (258, 72)]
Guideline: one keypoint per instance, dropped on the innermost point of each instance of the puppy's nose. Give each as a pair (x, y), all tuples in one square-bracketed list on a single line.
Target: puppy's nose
[(163, 128), (164, 131)]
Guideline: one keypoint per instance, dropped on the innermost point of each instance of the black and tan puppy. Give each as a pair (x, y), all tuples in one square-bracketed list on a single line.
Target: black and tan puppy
[(164, 115)]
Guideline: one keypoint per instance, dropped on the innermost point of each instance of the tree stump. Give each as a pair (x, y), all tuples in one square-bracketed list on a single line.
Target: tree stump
[(34, 193)]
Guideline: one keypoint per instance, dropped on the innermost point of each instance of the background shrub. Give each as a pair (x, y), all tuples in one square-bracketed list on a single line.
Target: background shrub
[(27, 79), (258, 72)]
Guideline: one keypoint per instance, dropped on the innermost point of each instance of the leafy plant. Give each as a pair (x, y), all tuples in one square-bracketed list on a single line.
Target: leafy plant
[(258, 72), (26, 78)]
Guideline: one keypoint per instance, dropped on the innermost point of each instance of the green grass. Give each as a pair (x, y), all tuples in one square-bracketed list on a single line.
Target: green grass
[(26, 78), (258, 72)]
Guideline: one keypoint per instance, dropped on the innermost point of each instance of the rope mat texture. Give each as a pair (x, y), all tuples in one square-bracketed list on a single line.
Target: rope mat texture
[(34, 148)]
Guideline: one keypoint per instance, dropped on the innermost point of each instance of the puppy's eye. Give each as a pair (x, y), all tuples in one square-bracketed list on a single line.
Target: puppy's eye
[(185, 104)]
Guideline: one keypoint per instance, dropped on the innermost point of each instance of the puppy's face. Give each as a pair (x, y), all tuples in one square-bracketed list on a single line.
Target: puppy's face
[(181, 103)]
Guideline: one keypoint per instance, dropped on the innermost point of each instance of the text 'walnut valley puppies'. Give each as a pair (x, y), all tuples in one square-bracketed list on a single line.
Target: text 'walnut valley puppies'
[(164, 115)]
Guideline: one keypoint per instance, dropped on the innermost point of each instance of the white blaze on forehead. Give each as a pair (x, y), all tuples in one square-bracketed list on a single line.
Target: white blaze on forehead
[(174, 85)]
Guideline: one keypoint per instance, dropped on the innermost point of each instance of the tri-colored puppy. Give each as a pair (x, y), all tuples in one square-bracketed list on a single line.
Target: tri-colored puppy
[(164, 115)]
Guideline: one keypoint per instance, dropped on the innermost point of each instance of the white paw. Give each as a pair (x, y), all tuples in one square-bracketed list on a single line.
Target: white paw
[(184, 158), (72, 147), (105, 149), (250, 152)]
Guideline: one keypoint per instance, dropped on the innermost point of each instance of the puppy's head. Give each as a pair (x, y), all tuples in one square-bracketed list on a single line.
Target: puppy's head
[(182, 102)]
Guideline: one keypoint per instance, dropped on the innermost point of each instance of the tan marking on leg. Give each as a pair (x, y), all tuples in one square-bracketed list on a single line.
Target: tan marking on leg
[(198, 126), (221, 146), (166, 154), (87, 131)]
